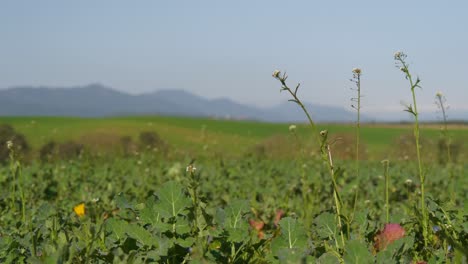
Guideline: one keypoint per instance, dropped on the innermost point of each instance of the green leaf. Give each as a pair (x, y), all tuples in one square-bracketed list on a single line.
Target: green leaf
[(361, 222), (234, 213), (328, 258), (186, 242), (172, 200), (182, 226), (122, 202), (237, 234), (395, 251), (357, 252), (141, 235), (293, 238), (149, 214), (233, 221), (117, 227), (326, 225)]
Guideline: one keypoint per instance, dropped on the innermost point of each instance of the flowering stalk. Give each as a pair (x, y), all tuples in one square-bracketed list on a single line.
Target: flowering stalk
[(282, 78), (440, 100), (412, 109), (16, 172), (336, 197), (199, 220), (324, 146), (357, 80), (305, 196)]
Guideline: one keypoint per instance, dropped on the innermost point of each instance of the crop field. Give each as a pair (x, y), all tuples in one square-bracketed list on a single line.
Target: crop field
[(181, 190), (232, 138), (255, 193)]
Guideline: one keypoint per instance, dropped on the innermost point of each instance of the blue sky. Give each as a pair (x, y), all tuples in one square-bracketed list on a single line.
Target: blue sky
[(230, 48)]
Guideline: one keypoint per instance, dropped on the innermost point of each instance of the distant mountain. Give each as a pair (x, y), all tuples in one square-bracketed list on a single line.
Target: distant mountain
[(96, 100)]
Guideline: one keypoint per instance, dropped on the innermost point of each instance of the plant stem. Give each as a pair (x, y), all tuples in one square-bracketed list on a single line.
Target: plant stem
[(358, 125), (445, 130), (387, 204), (296, 100), (335, 194), (418, 149), (324, 149)]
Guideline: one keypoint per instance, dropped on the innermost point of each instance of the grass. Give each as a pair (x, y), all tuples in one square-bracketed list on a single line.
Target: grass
[(187, 133)]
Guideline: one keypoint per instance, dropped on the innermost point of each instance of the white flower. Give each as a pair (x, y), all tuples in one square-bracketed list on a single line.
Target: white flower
[(292, 128), (323, 133), (356, 70), (398, 54), (409, 181), (191, 168), (439, 94), (9, 144), (276, 74)]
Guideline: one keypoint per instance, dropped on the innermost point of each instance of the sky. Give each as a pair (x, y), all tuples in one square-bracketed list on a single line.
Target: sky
[(229, 49)]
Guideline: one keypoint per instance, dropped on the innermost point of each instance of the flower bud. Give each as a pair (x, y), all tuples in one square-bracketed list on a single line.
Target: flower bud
[(276, 74)]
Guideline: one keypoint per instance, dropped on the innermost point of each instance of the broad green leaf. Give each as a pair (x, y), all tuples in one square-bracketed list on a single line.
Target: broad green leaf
[(328, 258), (161, 250), (233, 221), (235, 212), (326, 225), (186, 242), (395, 250), (361, 223), (149, 214), (293, 238), (141, 235), (182, 226), (172, 200), (237, 234), (291, 256), (117, 227), (357, 252), (122, 202)]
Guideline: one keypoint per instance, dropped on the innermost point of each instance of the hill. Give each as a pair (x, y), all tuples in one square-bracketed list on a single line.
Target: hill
[(96, 100)]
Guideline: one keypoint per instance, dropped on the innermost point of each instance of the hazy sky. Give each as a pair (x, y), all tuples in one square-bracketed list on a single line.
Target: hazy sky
[(230, 48)]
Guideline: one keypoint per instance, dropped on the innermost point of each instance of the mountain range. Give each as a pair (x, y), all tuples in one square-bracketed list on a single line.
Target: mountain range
[(96, 100)]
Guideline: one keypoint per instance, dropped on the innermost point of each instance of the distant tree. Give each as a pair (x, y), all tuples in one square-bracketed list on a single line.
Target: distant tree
[(20, 145)]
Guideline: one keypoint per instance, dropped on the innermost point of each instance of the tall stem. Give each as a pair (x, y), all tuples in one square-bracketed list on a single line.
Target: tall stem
[(418, 148), (296, 100), (358, 125), (387, 186), (335, 194)]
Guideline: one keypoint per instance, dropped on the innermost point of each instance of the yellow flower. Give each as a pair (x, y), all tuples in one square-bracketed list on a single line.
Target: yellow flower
[(79, 209)]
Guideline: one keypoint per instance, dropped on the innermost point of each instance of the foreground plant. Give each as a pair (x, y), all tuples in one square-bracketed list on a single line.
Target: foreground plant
[(400, 59), (441, 104), (18, 181), (386, 164), (357, 80), (325, 150)]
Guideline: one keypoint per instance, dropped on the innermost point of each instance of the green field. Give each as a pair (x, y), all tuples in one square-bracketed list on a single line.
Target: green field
[(220, 136), (259, 194)]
